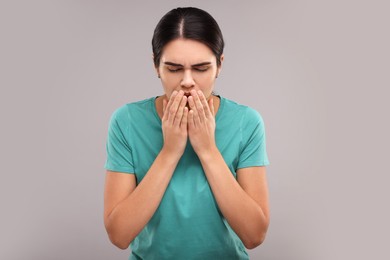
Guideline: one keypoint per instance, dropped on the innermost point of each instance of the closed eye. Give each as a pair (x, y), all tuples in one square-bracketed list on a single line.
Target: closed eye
[(201, 69), (176, 69)]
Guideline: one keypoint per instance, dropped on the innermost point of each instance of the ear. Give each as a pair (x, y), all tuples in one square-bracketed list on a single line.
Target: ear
[(222, 57), (220, 66)]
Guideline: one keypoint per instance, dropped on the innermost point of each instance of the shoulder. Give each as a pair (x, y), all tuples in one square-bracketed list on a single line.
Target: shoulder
[(246, 113), (132, 109)]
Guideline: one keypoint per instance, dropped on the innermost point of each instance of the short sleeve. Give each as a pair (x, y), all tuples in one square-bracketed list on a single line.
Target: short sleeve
[(253, 148), (119, 155)]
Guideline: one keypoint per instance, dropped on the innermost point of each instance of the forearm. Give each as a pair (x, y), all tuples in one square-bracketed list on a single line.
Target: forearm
[(131, 215), (243, 214)]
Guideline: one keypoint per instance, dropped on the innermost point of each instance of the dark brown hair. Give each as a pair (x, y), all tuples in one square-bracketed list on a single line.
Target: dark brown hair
[(188, 23)]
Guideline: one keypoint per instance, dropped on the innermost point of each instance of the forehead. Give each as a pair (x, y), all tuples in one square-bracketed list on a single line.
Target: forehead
[(186, 52)]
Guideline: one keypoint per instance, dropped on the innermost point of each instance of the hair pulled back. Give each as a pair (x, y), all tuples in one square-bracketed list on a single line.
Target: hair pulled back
[(188, 23)]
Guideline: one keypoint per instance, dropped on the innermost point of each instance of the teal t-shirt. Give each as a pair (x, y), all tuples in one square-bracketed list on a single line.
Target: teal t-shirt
[(188, 223)]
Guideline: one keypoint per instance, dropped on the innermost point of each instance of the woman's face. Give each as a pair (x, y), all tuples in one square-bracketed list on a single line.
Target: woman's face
[(186, 65)]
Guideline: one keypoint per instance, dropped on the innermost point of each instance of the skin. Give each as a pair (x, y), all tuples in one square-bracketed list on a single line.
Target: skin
[(242, 201)]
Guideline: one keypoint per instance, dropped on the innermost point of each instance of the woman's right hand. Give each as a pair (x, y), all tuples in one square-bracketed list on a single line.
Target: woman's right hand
[(174, 124)]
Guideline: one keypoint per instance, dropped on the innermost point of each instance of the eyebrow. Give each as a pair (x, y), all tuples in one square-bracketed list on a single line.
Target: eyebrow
[(194, 65)]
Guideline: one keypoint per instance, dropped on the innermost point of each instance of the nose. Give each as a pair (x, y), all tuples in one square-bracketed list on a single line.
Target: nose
[(188, 80)]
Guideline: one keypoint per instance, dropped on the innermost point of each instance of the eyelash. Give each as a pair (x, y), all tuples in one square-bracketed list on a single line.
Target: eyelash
[(177, 70)]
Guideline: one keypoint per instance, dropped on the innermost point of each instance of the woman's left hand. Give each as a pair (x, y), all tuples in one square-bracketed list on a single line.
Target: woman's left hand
[(201, 122)]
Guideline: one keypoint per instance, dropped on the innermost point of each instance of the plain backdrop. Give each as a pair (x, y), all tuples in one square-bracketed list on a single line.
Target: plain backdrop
[(317, 71)]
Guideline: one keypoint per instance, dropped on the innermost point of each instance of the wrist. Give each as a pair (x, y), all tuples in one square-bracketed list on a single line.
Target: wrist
[(170, 155), (208, 154)]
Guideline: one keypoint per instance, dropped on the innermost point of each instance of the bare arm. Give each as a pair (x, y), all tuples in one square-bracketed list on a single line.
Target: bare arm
[(127, 207), (244, 203)]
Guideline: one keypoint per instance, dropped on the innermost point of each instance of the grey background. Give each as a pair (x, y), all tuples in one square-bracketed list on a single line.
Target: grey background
[(317, 71)]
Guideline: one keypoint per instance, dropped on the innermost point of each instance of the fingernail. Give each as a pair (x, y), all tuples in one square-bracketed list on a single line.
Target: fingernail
[(199, 92)]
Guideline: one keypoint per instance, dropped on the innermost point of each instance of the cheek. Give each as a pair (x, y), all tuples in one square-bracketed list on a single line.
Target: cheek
[(206, 81), (210, 77), (170, 81), (207, 90), (169, 84)]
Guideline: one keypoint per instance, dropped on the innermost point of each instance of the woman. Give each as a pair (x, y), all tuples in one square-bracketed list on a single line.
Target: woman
[(186, 172)]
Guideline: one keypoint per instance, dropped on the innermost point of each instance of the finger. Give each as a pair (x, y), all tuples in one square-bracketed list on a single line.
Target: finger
[(205, 105), (175, 104), (179, 113), (191, 103), (194, 110), (199, 106), (169, 103), (191, 111), (191, 123), (184, 120)]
